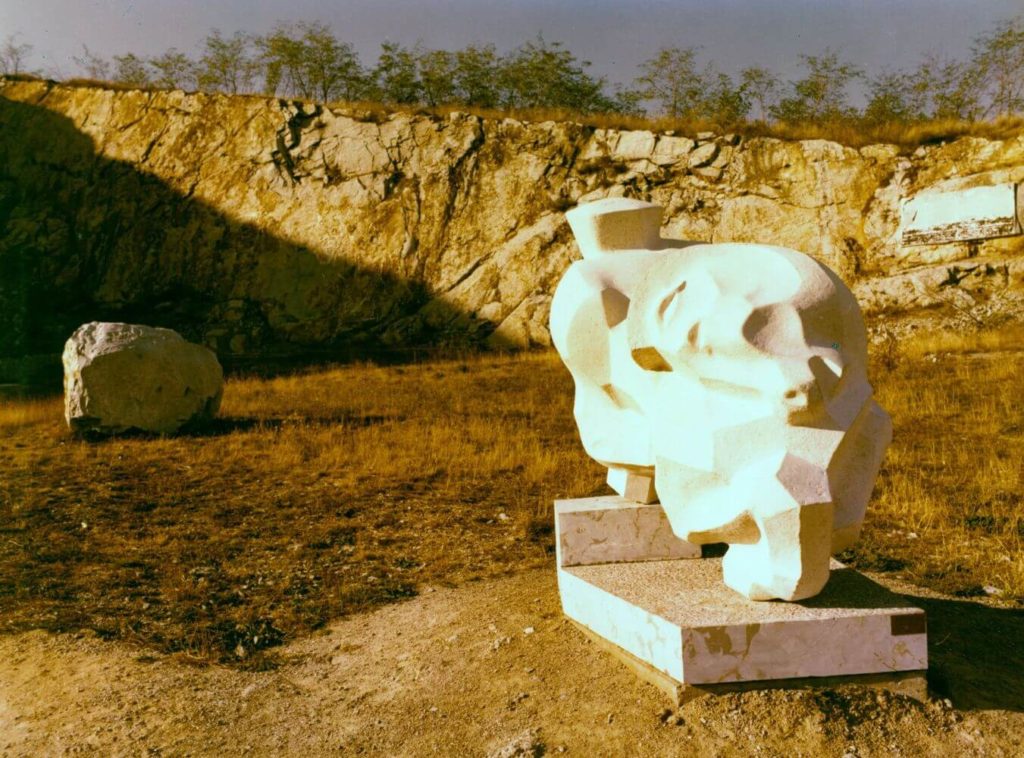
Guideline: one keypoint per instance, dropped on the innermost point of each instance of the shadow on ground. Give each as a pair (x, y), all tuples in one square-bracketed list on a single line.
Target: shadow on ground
[(976, 654)]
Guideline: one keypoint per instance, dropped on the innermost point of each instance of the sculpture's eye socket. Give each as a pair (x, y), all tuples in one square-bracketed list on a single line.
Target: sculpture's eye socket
[(693, 336), (670, 303), (615, 305)]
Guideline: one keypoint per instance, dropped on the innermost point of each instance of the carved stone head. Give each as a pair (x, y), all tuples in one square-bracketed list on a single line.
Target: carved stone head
[(727, 381)]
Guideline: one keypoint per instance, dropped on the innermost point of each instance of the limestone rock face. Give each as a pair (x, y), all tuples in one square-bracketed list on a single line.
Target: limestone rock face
[(119, 377), (734, 378), (256, 225)]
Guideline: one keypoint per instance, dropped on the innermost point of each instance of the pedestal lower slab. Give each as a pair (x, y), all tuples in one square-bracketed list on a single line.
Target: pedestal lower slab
[(678, 617)]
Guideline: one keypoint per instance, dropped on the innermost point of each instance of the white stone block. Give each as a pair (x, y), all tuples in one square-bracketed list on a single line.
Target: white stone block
[(633, 486), (610, 529), (671, 149), (933, 218), (634, 145)]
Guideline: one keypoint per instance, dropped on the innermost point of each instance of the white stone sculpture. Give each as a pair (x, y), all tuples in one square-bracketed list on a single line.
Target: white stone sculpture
[(126, 376), (727, 381)]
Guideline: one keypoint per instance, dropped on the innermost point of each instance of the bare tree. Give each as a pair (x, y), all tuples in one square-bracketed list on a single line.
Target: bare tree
[(821, 94), (999, 63), (227, 64), (13, 55), (92, 65), (174, 70), (476, 75), (437, 76), (307, 60), (671, 79), (951, 87), (542, 74), (894, 98), (131, 70), (761, 86), (396, 77)]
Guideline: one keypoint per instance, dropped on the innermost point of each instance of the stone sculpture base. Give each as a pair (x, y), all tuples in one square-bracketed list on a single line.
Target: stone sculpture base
[(664, 610)]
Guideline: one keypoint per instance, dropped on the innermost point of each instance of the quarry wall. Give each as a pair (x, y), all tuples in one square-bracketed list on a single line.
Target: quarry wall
[(259, 225)]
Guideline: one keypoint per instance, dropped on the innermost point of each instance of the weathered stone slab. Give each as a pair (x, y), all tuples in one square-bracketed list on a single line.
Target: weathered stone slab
[(679, 618), (910, 683), (703, 155), (933, 218), (609, 529), (671, 149), (633, 146)]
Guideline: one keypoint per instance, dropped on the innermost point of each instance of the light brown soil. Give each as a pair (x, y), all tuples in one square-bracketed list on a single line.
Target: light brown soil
[(456, 672)]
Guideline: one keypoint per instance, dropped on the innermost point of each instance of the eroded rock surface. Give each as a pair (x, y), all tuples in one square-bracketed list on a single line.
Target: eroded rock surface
[(120, 377), (254, 224)]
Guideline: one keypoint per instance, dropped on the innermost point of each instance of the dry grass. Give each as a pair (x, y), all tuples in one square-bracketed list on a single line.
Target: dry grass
[(313, 496), (906, 135), (1009, 336), (852, 132), (333, 491), (948, 510)]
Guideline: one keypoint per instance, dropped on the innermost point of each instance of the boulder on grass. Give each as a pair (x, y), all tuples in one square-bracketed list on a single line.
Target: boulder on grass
[(119, 377)]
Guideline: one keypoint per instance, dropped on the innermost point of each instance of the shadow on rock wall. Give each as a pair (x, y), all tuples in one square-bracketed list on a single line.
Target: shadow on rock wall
[(88, 238)]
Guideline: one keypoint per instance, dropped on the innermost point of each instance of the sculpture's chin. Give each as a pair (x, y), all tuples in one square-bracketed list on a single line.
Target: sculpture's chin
[(790, 562)]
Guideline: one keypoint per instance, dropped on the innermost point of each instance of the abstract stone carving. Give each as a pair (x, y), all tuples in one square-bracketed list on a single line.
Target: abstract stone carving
[(727, 381), (126, 376)]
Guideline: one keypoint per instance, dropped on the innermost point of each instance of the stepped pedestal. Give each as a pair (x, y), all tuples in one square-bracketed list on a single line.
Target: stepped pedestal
[(653, 601)]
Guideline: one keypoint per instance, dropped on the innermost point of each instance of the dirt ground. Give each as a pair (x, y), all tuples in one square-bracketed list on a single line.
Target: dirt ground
[(492, 668)]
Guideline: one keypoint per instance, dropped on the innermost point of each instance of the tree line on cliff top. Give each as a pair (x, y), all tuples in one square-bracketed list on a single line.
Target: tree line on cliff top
[(307, 60)]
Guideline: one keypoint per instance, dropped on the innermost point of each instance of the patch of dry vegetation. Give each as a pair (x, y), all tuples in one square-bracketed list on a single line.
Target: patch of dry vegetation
[(329, 492), (948, 509), (1009, 336), (313, 496), (852, 132)]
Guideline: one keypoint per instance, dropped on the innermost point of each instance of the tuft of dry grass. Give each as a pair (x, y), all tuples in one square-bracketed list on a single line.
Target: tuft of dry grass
[(1008, 337), (907, 135), (15, 414), (335, 490)]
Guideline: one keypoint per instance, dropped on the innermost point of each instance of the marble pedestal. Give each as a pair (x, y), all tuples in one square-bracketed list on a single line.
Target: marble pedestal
[(651, 599)]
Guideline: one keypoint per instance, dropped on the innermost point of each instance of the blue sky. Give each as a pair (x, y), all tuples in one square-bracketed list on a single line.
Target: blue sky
[(614, 36)]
